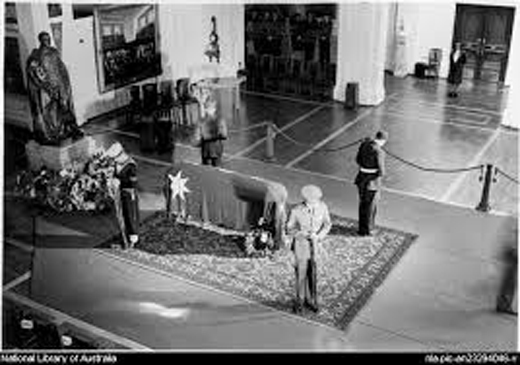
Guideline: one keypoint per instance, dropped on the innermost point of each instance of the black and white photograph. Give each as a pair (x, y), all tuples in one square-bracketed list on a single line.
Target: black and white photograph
[(246, 176)]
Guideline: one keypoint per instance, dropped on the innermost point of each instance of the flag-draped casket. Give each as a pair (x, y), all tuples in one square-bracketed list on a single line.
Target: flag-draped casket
[(231, 199)]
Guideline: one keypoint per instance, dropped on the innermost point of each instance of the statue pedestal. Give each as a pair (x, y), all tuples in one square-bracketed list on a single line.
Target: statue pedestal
[(59, 157)]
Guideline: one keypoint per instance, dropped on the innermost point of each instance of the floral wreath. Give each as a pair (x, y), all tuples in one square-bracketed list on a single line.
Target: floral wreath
[(74, 188)]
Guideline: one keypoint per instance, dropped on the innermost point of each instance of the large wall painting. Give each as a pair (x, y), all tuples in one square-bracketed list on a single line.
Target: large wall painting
[(127, 44)]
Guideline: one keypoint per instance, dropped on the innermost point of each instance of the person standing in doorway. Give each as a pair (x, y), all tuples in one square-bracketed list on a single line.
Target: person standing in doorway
[(309, 223), (371, 161), (457, 62)]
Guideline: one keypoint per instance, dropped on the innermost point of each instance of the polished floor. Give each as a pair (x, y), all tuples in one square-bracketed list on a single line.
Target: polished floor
[(426, 128), (440, 296)]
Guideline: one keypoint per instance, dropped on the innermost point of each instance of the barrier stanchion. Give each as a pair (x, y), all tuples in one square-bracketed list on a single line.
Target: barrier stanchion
[(269, 144), (484, 205)]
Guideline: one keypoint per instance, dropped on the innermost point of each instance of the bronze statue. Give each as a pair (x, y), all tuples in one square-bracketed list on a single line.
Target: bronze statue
[(50, 95)]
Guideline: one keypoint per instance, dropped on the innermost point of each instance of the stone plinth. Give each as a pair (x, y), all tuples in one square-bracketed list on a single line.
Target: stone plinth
[(59, 157)]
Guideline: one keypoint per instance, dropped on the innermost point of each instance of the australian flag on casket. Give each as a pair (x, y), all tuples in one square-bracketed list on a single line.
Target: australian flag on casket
[(227, 198)]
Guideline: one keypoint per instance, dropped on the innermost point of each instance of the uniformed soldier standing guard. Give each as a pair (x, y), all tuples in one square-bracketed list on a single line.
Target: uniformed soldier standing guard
[(371, 161), (308, 225), (127, 173), (127, 203)]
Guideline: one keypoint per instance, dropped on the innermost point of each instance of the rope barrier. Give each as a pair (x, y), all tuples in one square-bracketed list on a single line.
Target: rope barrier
[(507, 176), (477, 167), (352, 144), (344, 147), (488, 172)]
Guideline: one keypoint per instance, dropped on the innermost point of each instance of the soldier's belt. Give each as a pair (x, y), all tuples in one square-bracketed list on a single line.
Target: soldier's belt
[(368, 171)]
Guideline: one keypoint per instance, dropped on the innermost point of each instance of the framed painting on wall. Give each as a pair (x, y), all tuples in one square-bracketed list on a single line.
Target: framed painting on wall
[(127, 44), (54, 10)]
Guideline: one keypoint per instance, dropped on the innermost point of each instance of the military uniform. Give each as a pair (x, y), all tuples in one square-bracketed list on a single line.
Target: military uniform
[(371, 161), (125, 194), (127, 174)]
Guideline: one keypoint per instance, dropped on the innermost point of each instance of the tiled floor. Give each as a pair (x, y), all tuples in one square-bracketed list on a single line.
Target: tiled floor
[(439, 296), (425, 127)]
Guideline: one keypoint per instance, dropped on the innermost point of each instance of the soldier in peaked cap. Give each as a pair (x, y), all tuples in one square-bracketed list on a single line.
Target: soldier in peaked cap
[(128, 215), (371, 161)]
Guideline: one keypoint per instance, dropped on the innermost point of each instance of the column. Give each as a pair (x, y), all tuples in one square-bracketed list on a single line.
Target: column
[(511, 116), (362, 29), (400, 60), (68, 37)]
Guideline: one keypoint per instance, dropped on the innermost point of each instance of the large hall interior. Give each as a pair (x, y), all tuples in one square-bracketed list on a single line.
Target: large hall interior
[(119, 233)]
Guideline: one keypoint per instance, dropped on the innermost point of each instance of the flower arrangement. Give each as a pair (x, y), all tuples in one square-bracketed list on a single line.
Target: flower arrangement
[(259, 241), (73, 188)]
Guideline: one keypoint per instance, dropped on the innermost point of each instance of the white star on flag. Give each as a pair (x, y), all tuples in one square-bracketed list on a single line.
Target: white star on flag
[(178, 185)]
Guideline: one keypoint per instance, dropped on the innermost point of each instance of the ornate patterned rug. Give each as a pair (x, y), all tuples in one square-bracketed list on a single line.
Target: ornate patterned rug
[(352, 269)]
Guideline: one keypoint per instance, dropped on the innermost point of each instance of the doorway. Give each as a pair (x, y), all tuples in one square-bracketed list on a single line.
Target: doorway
[(485, 34), (291, 49)]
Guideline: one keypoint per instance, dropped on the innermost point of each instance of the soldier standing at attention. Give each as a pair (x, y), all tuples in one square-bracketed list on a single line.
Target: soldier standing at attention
[(371, 161)]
